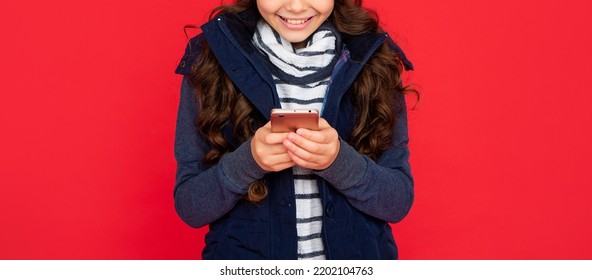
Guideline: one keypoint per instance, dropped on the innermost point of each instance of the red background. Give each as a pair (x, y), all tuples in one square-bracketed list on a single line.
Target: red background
[(500, 141)]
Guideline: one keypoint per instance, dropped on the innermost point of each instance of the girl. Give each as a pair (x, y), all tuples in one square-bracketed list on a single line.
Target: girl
[(310, 194)]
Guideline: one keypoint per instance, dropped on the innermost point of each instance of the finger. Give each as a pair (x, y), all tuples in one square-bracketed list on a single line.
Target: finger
[(299, 151), (301, 162), (276, 149), (283, 166), (318, 136), (275, 138), (273, 160), (323, 124), (262, 151), (304, 143), (276, 162)]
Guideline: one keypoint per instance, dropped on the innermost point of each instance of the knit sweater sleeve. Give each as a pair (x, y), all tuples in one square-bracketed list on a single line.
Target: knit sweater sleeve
[(204, 193), (382, 188)]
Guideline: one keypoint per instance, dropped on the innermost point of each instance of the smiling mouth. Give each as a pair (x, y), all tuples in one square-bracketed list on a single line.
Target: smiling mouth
[(295, 21)]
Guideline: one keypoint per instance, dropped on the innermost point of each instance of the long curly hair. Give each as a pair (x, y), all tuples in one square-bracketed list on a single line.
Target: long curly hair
[(376, 97)]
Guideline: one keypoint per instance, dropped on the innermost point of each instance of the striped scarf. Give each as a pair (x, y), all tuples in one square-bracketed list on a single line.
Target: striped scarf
[(302, 77)]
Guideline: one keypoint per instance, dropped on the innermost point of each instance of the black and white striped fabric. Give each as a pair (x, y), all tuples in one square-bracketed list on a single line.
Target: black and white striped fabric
[(302, 77)]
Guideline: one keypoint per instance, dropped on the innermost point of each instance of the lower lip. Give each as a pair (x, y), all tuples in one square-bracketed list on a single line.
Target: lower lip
[(295, 26)]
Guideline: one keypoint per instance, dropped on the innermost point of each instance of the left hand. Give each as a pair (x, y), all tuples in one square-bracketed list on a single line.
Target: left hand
[(313, 149)]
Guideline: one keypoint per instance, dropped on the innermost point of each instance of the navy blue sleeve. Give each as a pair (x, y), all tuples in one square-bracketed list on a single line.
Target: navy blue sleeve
[(203, 193), (383, 189)]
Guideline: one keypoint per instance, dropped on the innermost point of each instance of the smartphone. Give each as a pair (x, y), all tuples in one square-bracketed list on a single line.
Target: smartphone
[(286, 120)]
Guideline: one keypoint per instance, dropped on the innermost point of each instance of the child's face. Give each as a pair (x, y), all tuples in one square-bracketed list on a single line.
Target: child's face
[(295, 20)]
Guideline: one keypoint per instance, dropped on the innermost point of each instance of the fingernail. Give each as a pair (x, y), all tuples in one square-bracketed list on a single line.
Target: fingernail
[(287, 143)]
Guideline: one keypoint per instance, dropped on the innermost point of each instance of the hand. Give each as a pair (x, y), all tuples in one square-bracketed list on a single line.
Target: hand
[(268, 151), (313, 149)]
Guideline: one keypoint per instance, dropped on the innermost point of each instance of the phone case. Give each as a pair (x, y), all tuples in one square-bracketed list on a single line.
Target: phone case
[(286, 120)]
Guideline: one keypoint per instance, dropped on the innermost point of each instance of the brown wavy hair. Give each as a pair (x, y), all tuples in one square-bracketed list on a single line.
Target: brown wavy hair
[(377, 99)]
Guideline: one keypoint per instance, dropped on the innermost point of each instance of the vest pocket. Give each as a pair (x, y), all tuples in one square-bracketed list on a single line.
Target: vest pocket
[(244, 240)]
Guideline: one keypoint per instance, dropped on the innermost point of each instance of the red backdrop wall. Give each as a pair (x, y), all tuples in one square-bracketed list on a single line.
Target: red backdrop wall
[(500, 141)]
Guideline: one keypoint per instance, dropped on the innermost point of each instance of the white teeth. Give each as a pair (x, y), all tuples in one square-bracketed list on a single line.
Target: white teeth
[(295, 21)]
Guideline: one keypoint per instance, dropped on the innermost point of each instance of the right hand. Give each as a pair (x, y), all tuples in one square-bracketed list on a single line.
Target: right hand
[(268, 151)]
